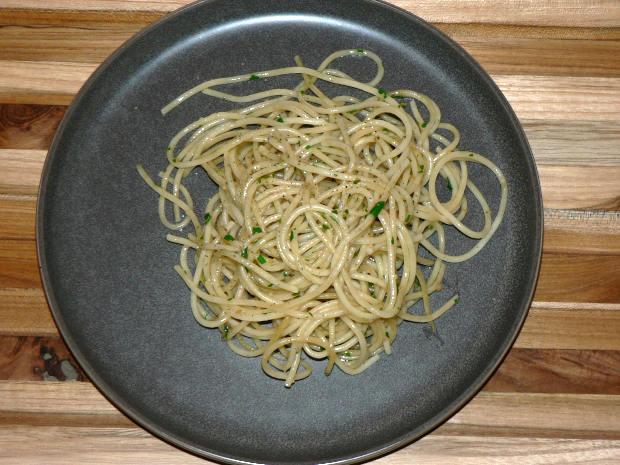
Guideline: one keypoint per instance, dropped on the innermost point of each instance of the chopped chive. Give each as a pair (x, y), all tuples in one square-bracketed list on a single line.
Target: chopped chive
[(260, 180), (292, 235), (261, 259), (421, 170), (356, 181), (392, 240), (387, 334), (256, 230), (307, 147), (335, 211), (449, 185), (325, 226), (207, 218), (456, 301), (471, 154), (360, 50), (228, 237), (244, 254), (407, 219), (254, 77), (280, 120), (382, 92), (377, 208), (424, 124)]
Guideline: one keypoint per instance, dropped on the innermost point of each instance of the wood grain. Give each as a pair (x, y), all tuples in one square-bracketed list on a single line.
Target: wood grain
[(497, 54), (19, 266), (28, 126), (579, 278), (583, 143), (37, 358), (24, 312), (564, 277), (573, 326), (21, 171), (600, 13), (32, 358), (564, 187), (558, 371), (17, 217)]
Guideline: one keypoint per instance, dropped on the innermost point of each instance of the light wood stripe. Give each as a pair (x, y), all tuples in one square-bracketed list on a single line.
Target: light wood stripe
[(602, 13), (523, 425), (497, 54), (532, 97), (564, 187), (569, 325)]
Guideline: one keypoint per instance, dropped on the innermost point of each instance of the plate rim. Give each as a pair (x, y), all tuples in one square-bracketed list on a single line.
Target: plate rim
[(162, 433)]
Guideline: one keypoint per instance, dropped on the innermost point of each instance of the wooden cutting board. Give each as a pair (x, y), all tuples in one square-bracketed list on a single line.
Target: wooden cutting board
[(555, 399)]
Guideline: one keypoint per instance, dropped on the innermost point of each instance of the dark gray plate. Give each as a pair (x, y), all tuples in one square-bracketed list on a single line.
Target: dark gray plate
[(125, 314)]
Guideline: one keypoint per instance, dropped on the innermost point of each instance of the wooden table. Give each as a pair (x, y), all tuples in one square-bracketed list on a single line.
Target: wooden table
[(555, 399)]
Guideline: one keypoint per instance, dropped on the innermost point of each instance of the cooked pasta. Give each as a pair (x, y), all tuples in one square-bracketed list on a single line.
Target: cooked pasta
[(311, 247)]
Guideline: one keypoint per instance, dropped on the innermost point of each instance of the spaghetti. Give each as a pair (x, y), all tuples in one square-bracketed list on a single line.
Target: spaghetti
[(311, 246)]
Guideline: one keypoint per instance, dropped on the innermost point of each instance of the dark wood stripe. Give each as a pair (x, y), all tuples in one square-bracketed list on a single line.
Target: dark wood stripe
[(25, 126), (34, 358)]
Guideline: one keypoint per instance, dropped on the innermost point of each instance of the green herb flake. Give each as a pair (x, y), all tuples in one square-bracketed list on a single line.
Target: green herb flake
[(280, 120), (382, 92), (256, 230), (228, 237), (254, 77), (174, 160), (334, 211), (261, 259), (292, 235), (392, 240), (207, 218), (357, 181), (449, 185), (360, 50), (244, 254), (322, 349), (347, 354), (424, 124), (456, 300), (260, 180), (307, 147), (377, 208), (421, 169), (325, 226), (387, 334), (226, 329), (295, 294), (270, 285), (310, 313), (408, 219), (430, 228), (471, 154)]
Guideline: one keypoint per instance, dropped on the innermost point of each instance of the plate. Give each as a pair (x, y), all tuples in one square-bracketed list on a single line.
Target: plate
[(124, 313)]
